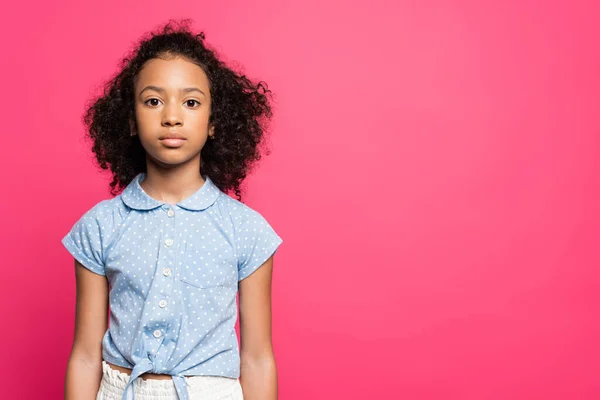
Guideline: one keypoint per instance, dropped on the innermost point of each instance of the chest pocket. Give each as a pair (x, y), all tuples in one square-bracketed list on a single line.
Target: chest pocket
[(208, 268)]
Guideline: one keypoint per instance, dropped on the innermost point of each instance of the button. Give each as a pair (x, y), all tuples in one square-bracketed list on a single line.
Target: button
[(167, 272), (170, 213), (162, 303), (168, 242), (157, 333)]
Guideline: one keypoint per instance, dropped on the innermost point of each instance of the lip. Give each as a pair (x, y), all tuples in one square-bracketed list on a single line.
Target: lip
[(173, 142), (172, 135)]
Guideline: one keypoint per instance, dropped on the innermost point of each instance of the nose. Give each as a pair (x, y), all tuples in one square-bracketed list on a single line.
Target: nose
[(171, 117)]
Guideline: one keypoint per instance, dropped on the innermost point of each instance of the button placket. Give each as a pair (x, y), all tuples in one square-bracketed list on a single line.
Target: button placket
[(169, 241), (167, 260)]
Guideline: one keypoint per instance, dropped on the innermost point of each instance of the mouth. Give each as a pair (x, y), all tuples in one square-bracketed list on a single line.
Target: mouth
[(172, 141)]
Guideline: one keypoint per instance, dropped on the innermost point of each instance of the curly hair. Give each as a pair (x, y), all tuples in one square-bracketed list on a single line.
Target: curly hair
[(240, 112)]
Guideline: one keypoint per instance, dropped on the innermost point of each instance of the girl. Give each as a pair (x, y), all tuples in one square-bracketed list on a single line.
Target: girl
[(168, 255)]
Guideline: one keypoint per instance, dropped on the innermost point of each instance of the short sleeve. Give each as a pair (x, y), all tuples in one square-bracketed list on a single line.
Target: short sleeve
[(256, 241), (84, 242)]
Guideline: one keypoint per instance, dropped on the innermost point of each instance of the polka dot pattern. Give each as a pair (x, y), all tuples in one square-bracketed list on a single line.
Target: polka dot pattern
[(173, 273)]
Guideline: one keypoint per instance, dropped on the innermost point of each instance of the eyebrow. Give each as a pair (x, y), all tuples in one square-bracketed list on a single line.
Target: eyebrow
[(161, 90)]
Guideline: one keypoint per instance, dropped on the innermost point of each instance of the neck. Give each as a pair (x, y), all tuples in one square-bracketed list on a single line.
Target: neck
[(172, 184)]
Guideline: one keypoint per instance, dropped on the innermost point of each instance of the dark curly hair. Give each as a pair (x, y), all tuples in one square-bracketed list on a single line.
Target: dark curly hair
[(240, 112)]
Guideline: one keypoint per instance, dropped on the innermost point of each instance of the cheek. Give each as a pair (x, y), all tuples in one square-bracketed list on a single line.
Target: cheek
[(144, 116), (198, 117)]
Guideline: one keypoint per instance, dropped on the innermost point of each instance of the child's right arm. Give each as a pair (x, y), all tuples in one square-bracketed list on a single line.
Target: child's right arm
[(84, 369)]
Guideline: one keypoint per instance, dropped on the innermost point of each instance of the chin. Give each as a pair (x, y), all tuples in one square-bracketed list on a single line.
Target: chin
[(176, 158)]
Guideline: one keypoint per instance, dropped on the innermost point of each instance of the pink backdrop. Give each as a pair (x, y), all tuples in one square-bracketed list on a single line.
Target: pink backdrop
[(437, 188)]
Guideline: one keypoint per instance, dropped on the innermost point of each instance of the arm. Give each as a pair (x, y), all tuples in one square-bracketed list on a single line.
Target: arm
[(84, 369), (258, 370)]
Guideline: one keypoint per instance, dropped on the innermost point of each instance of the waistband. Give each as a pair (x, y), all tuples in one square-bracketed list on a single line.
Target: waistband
[(116, 382)]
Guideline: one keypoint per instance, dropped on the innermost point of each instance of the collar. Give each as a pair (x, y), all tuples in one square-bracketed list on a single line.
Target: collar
[(135, 197)]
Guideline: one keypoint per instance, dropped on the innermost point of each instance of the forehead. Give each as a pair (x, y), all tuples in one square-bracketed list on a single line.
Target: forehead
[(172, 73)]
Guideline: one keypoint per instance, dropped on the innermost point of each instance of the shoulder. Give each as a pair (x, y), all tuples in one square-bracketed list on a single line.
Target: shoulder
[(103, 214), (248, 223), (88, 238), (239, 213), (254, 238)]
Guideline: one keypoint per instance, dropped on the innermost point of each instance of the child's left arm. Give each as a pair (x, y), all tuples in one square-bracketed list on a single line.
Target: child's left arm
[(258, 370)]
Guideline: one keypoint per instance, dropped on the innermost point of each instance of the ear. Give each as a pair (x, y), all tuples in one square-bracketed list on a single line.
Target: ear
[(211, 131), (132, 130)]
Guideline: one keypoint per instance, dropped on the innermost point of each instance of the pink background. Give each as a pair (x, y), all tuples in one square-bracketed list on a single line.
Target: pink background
[(436, 168)]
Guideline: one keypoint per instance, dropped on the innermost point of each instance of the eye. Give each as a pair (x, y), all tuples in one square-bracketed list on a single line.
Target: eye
[(152, 102), (192, 103)]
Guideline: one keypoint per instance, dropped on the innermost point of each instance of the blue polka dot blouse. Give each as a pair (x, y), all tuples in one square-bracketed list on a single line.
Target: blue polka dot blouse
[(173, 273)]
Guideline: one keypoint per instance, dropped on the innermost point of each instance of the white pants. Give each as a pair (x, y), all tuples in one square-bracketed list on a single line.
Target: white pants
[(201, 387)]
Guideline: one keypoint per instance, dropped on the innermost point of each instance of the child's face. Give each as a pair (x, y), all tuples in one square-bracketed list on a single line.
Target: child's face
[(172, 99)]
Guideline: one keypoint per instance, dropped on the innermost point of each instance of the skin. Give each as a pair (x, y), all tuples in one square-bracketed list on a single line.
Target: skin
[(84, 368), (163, 105), (172, 172)]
